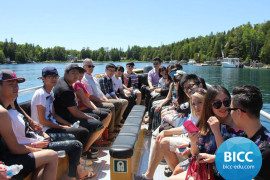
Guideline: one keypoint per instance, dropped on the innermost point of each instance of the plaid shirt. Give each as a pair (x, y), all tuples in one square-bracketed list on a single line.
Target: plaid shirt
[(106, 85)]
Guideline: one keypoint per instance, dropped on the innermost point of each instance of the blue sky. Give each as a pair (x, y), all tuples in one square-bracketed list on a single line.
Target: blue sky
[(75, 24)]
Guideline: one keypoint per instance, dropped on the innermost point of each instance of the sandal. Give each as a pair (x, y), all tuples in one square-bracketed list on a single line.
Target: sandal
[(86, 173), (90, 174)]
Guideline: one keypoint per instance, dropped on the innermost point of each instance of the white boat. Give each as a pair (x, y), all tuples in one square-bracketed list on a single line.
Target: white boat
[(230, 62), (191, 62)]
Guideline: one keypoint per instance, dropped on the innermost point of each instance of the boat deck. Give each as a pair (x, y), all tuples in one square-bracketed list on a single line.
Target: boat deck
[(102, 166)]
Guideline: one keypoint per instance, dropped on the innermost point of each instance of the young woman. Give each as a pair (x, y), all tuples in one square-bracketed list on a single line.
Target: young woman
[(215, 126), (168, 141), (161, 91), (87, 106)]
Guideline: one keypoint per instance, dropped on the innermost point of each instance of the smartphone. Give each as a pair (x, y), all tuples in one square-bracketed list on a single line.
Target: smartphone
[(190, 127)]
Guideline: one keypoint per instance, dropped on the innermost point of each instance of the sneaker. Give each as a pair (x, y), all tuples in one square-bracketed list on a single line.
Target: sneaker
[(94, 150), (168, 172)]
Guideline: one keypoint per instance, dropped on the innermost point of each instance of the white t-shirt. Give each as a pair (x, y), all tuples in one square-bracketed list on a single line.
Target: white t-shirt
[(117, 83), (18, 126), (41, 97)]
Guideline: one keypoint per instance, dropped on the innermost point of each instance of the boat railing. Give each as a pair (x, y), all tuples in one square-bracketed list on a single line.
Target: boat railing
[(28, 90)]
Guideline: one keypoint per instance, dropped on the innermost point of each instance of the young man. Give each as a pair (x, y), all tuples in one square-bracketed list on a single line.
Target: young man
[(132, 82), (66, 107), (106, 86), (97, 96), (42, 110), (245, 110), (153, 79), (11, 151)]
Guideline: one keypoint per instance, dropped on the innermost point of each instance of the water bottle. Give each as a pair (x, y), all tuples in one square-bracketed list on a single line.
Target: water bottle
[(76, 124), (13, 169)]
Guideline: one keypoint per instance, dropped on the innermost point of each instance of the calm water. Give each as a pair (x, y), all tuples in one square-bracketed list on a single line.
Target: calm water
[(228, 77)]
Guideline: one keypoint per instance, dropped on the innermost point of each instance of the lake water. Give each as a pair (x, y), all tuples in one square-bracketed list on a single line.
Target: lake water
[(228, 77)]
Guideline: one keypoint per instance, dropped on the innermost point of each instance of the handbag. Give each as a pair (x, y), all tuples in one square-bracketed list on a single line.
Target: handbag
[(199, 171)]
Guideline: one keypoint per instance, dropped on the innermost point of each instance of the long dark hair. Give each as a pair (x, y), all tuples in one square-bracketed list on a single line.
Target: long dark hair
[(207, 112)]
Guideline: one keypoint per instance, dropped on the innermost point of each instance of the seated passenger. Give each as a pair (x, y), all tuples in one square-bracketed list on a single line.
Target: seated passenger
[(215, 124), (11, 152), (152, 79), (245, 110), (65, 105), (87, 106), (98, 98), (42, 110), (166, 145), (33, 136), (131, 81), (106, 86), (122, 91)]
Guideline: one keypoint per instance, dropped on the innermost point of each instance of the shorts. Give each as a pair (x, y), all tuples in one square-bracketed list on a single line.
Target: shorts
[(27, 160), (176, 141)]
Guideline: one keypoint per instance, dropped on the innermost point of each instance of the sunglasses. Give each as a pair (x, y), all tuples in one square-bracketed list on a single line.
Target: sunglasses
[(198, 90), (234, 109), (218, 104), (90, 66), (156, 63), (130, 66)]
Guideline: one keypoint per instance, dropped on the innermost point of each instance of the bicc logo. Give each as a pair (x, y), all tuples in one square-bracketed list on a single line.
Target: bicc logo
[(238, 158)]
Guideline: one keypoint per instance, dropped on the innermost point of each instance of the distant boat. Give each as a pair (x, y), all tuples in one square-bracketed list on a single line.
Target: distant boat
[(231, 63), (191, 62)]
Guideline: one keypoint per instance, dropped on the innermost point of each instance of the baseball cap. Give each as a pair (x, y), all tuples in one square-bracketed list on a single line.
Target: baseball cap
[(49, 70), (74, 66), (8, 75)]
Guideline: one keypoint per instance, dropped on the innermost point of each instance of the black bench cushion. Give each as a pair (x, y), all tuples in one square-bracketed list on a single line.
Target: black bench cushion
[(123, 145)]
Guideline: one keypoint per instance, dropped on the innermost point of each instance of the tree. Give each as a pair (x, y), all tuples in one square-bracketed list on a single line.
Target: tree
[(265, 51), (2, 56)]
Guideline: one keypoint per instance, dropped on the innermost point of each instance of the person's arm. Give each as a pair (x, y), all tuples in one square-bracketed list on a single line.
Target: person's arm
[(86, 101), (9, 137), (168, 97), (206, 158), (61, 120), (42, 119), (169, 132), (194, 150), (215, 127), (78, 114), (36, 126)]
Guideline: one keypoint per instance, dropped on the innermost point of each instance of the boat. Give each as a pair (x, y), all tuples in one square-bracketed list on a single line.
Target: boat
[(191, 62), (230, 63), (129, 154)]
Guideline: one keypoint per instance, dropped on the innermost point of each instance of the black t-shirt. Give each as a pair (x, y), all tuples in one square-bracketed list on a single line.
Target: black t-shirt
[(64, 97), (262, 139)]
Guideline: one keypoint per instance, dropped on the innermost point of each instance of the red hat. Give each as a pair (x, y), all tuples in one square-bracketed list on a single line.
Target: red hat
[(7, 75)]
